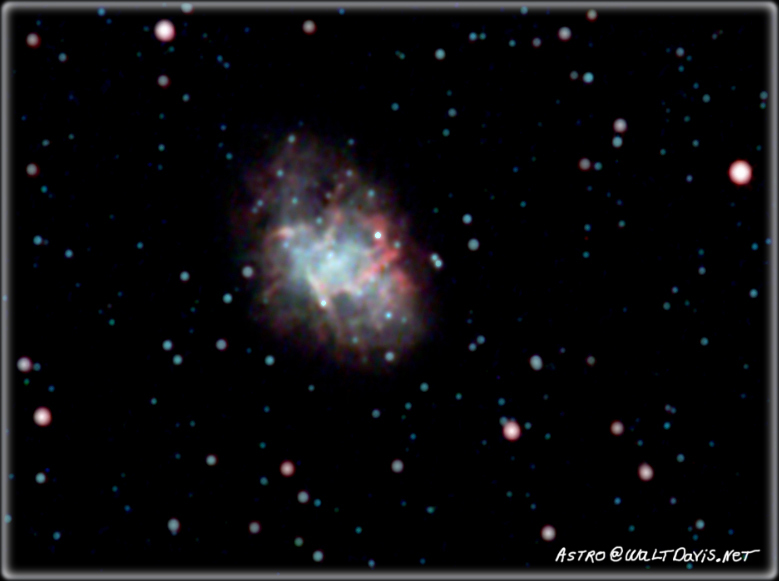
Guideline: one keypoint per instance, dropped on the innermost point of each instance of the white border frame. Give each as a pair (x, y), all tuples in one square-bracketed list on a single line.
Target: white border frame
[(165, 8)]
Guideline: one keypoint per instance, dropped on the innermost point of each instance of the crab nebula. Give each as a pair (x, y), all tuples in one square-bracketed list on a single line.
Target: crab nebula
[(333, 265)]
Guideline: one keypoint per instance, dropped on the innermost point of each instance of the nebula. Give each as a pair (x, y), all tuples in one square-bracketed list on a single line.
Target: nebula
[(334, 266)]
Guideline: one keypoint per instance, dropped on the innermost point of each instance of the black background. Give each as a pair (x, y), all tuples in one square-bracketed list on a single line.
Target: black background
[(528, 290)]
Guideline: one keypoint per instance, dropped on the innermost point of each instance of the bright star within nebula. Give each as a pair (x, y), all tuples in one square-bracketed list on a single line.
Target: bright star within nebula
[(336, 268)]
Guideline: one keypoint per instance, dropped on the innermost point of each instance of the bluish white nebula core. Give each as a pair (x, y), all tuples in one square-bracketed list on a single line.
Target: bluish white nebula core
[(337, 269)]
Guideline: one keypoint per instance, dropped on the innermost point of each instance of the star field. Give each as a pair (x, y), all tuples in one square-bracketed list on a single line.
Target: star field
[(330, 289)]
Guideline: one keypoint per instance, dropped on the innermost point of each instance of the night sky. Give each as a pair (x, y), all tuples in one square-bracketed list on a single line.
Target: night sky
[(370, 248)]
